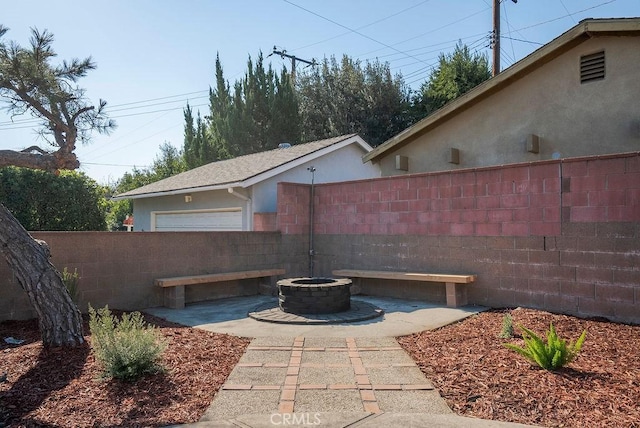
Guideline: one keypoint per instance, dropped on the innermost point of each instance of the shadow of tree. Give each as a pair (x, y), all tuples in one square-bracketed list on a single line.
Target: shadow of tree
[(31, 389)]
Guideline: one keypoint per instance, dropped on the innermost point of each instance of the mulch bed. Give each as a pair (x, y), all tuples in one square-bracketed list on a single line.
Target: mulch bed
[(481, 378), (64, 388)]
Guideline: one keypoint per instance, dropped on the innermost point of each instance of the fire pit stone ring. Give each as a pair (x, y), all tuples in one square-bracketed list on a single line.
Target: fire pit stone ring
[(314, 295)]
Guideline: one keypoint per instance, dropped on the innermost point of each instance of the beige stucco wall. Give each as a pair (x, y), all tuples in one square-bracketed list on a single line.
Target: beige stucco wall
[(570, 118)]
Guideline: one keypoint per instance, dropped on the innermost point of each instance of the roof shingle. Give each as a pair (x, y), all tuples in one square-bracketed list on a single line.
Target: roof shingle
[(233, 170)]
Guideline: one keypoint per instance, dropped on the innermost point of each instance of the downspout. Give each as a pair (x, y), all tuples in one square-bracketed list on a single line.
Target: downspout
[(247, 199), (312, 169)]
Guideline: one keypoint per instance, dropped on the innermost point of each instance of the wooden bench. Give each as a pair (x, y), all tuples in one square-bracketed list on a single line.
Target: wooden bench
[(174, 287), (455, 284)]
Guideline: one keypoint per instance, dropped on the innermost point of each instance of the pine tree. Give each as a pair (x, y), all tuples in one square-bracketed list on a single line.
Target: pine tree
[(286, 122), (457, 73), (190, 152)]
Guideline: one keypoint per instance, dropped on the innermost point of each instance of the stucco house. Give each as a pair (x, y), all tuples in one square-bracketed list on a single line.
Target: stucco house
[(575, 96), (225, 195)]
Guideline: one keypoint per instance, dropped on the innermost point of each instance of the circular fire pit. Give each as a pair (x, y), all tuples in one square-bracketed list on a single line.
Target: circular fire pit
[(314, 295)]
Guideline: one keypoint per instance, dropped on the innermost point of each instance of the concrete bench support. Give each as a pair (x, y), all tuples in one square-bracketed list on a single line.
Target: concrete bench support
[(455, 284), (174, 287)]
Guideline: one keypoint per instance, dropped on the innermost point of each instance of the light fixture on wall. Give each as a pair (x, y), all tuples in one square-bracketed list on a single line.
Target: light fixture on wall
[(402, 163), (533, 143), (188, 198), (454, 156)]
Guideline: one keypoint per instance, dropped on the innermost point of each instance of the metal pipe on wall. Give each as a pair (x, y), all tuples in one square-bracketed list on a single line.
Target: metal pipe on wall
[(312, 169)]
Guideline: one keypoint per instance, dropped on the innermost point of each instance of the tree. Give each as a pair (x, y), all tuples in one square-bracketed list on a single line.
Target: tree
[(169, 162), (286, 122), (189, 148), (30, 83), (43, 201), (456, 74), (343, 98)]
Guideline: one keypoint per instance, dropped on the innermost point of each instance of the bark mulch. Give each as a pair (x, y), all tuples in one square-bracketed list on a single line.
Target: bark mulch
[(481, 378), (64, 388)]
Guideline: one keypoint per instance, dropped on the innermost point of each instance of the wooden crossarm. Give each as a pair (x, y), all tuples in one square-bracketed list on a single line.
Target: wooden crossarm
[(216, 277), (407, 276)]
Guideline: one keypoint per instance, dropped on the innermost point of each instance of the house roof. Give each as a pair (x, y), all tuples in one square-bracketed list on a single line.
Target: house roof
[(243, 171), (582, 32)]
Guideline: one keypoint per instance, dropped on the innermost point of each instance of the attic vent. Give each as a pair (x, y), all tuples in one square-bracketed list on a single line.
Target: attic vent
[(592, 67)]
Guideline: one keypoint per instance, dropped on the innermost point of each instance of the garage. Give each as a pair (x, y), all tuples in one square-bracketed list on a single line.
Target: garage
[(201, 220)]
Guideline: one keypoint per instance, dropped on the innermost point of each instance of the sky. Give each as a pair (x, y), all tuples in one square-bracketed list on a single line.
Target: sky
[(155, 56)]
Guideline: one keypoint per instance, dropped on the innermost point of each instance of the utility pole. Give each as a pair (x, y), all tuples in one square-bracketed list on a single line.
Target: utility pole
[(495, 37), (283, 54)]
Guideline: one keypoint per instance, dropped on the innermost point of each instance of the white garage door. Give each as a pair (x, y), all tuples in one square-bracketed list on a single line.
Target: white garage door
[(214, 220)]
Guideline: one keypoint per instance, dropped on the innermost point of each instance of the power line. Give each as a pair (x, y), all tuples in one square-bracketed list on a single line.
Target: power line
[(364, 26), (523, 41), (431, 31), (350, 29), (113, 164), (33, 122), (564, 16), (161, 98), (567, 10)]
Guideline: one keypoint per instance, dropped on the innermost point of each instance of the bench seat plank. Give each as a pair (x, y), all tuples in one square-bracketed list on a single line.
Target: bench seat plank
[(456, 292), (406, 276), (216, 277)]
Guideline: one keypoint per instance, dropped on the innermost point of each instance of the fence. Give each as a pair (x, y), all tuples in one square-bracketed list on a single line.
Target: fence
[(557, 235)]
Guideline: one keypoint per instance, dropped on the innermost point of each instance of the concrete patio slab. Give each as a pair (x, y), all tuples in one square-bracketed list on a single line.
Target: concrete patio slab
[(229, 316)]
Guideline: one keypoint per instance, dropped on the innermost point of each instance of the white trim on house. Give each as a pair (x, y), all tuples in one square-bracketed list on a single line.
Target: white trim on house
[(180, 191), (304, 159)]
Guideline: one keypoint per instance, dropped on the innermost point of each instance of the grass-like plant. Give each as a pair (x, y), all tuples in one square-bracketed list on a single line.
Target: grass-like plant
[(507, 327), (71, 282), (554, 354), (128, 348)]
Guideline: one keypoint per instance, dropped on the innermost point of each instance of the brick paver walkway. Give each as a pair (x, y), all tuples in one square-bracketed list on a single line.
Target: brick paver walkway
[(287, 375)]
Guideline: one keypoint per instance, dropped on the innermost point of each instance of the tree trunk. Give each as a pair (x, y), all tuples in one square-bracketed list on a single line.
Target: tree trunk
[(59, 318)]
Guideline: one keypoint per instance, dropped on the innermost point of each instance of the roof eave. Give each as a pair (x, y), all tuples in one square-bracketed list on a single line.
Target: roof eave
[(355, 138), (177, 191), (585, 30)]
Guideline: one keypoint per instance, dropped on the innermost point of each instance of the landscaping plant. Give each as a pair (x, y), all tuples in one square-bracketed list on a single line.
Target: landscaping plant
[(507, 327), (556, 353), (128, 348), (71, 282)]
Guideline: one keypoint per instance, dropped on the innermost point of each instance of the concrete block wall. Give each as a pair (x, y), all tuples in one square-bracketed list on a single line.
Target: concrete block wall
[(265, 222), (560, 235), (118, 269)]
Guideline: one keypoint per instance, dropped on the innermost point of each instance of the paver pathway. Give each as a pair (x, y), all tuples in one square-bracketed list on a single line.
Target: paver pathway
[(312, 375)]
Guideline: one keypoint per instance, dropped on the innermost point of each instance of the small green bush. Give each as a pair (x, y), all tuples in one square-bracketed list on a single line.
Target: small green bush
[(556, 353), (126, 349), (507, 327), (71, 282)]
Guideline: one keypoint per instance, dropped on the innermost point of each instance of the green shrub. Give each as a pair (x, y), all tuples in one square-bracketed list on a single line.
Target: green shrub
[(556, 353), (507, 327), (71, 282), (126, 349)]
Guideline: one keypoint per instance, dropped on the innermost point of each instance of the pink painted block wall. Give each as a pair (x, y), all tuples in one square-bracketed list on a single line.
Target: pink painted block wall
[(530, 199)]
